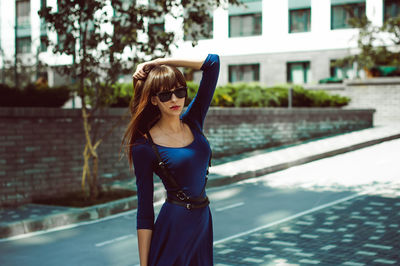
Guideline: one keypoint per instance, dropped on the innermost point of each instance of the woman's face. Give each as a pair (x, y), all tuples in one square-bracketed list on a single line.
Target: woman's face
[(169, 103)]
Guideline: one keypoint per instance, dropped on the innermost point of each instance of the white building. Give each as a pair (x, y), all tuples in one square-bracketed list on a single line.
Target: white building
[(22, 30), (289, 40), (271, 41)]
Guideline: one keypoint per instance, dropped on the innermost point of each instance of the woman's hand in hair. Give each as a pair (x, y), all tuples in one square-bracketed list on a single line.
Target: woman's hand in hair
[(143, 69)]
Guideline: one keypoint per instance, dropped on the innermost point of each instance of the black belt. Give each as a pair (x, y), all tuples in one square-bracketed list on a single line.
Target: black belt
[(190, 205)]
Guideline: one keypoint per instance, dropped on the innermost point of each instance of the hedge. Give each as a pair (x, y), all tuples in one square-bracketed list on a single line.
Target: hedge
[(33, 96), (230, 95), (256, 95)]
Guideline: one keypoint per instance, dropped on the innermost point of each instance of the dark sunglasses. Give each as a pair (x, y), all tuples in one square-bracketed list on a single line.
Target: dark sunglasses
[(165, 96)]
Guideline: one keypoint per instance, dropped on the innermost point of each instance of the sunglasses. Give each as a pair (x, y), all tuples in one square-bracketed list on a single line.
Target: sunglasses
[(165, 96)]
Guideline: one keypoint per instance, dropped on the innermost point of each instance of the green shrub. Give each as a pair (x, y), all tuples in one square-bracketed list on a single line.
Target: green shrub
[(192, 89), (32, 96), (252, 95), (122, 96)]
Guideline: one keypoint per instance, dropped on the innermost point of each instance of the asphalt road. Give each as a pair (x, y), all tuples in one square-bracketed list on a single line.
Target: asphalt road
[(237, 209)]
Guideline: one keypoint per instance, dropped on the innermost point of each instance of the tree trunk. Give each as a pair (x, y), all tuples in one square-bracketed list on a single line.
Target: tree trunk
[(90, 156)]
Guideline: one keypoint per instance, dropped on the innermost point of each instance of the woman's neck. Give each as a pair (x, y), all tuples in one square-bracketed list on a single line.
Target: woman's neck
[(172, 124)]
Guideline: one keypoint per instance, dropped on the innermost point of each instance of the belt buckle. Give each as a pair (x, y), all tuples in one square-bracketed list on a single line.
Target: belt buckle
[(181, 195)]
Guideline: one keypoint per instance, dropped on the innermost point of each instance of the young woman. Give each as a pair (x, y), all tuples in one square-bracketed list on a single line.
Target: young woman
[(162, 140)]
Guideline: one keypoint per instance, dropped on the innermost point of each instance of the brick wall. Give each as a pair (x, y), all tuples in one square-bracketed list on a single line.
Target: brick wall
[(242, 129), (41, 148)]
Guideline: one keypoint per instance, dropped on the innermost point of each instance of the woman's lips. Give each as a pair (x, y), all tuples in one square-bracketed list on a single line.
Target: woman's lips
[(175, 107)]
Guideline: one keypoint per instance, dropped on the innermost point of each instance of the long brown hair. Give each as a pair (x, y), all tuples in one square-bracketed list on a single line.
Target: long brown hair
[(143, 113)]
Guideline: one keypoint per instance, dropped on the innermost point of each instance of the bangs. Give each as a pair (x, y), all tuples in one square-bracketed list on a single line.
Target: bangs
[(164, 78)]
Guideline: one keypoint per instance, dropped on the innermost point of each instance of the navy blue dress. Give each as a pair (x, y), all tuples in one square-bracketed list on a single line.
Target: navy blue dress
[(180, 236)]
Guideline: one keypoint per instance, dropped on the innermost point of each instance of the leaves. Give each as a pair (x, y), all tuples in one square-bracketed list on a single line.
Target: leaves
[(378, 45)]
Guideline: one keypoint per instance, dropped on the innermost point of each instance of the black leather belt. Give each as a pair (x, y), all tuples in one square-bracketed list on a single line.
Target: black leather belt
[(189, 205)]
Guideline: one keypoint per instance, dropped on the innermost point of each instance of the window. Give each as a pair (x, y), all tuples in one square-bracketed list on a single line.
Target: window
[(299, 15), (24, 45), (244, 73), (391, 9), (340, 72), (43, 43), (346, 10), (156, 24), (298, 72), (43, 29), (245, 25), (23, 9), (246, 19), (156, 27), (300, 20)]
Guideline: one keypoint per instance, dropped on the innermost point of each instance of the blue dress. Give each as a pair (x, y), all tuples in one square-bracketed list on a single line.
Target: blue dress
[(180, 236)]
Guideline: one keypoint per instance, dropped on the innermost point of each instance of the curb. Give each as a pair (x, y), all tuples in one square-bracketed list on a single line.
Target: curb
[(75, 215), (226, 180)]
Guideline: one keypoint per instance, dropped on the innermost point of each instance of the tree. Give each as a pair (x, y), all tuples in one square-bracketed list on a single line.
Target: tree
[(105, 40), (378, 46)]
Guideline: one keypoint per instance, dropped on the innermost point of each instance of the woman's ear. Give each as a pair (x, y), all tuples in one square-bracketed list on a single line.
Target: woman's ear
[(154, 100)]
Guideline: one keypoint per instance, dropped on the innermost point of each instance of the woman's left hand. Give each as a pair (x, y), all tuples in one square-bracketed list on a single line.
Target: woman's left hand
[(143, 69)]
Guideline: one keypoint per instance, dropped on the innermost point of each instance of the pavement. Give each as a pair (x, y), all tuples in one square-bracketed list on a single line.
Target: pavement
[(358, 231), (30, 218)]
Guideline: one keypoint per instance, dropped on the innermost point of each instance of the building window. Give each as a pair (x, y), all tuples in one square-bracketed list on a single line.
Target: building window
[(156, 27), (341, 14), (341, 72), (245, 19), (299, 15), (300, 20), (298, 72), (245, 25), (43, 43), (23, 9), (24, 45), (244, 73), (391, 9)]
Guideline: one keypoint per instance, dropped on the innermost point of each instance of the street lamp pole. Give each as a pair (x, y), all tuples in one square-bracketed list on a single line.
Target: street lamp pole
[(290, 97), (3, 71), (16, 47)]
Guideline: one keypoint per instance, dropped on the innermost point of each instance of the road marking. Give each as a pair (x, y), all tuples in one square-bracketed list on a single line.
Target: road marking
[(229, 207), (114, 240), (290, 217)]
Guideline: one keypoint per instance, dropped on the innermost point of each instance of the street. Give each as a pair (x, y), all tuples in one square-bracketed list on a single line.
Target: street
[(255, 215)]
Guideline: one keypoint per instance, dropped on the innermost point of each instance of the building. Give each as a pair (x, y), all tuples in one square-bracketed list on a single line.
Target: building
[(22, 38), (269, 41), (275, 42)]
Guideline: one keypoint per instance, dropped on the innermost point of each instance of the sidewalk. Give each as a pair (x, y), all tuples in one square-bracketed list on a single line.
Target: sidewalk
[(34, 217)]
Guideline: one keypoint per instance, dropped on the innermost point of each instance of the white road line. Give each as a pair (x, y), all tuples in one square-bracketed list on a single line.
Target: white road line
[(229, 207), (290, 217), (114, 240), (69, 226)]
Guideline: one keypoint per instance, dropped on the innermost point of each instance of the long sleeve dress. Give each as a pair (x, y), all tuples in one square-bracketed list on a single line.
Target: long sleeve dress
[(180, 236)]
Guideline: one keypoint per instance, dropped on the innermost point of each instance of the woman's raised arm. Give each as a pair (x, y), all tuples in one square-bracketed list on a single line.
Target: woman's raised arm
[(144, 68)]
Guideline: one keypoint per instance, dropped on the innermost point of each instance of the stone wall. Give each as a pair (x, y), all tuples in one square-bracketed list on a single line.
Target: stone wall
[(381, 94), (41, 148)]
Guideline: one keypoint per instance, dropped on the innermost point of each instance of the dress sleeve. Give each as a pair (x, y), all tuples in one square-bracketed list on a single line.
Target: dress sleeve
[(198, 107), (143, 165)]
